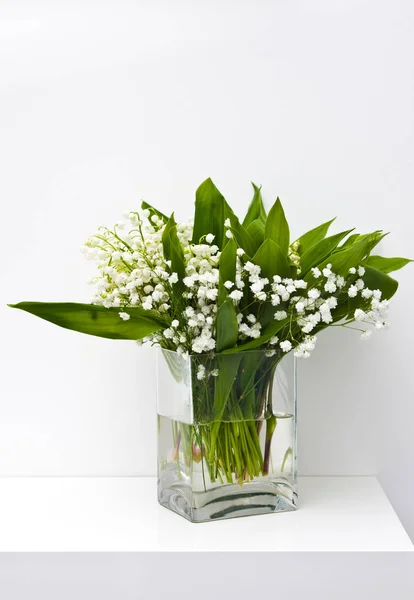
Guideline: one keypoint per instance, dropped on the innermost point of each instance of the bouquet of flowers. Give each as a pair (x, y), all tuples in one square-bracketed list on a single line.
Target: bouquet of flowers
[(215, 288)]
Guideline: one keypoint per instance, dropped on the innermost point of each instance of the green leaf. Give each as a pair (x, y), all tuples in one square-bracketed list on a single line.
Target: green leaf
[(376, 280), (240, 234), (228, 367), (153, 211), (256, 210), (277, 228), (209, 213), (320, 251), (349, 241), (349, 257), (387, 265), (174, 252), (96, 320), (227, 262), (256, 230), (268, 332), (166, 240), (312, 237), (227, 326), (271, 260)]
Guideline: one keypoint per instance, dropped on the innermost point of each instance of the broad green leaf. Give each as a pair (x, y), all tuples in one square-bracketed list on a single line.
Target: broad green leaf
[(312, 237), (256, 230), (375, 237), (268, 332), (249, 367), (96, 320), (209, 213), (166, 240), (376, 280), (240, 234), (256, 210), (226, 325), (227, 262), (173, 251), (224, 384), (349, 241), (320, 251), (349, 257), (277, 228), (153, 211), (271, 260), (387, 265)]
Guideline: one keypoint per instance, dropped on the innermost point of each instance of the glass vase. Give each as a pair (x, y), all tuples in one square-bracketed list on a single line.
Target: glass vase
[(226, 433)]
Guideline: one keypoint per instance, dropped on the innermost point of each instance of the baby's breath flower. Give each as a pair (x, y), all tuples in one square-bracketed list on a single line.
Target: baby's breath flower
[(124, 316), (286, 346)]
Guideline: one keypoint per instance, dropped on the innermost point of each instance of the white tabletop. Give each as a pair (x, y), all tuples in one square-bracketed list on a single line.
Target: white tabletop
[(122, 514)]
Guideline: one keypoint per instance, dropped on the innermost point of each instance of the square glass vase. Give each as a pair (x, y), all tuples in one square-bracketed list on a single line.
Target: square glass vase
[(226, 433)]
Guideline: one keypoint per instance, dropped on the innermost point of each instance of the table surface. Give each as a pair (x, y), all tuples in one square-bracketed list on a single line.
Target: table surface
[(113, 514)]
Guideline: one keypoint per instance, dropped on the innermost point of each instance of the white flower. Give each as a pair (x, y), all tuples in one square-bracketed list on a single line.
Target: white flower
[(366, 293), (229, 233), (352, 291), (300, 284), (214, 373), (168, 333), (228, 284), (273, 340), (251, 318), (331, 302), (330, 286), (252, 269), (173, 278), (209, 238), (280, 315), (257, 286), (359, 314), (275, 299), (359, 284), (124, 316), (314, 294), (277, 279), (212, 293), (147, 305), (236, 296), (240, 251), (377, 294), (270, 353), (286, 346), (327, 271), (300, 307), (189, 281), (352, 270), (365, 335), (380, 325), (201, 372), (175, 323), (361, 271), (227, 223), (316, 272), (261, 296)]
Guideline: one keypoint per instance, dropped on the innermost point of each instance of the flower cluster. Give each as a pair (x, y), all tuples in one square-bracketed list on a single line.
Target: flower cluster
[(134, 272)]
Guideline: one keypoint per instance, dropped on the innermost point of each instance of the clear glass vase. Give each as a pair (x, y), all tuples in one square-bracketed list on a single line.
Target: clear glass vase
[(226, 433)]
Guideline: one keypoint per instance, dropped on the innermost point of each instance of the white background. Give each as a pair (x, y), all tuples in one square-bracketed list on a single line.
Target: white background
[(104, 104)]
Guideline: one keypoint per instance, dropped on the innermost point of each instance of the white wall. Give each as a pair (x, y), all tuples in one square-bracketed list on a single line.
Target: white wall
[(104, 104)]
